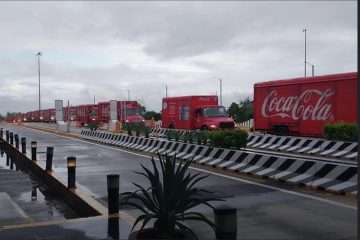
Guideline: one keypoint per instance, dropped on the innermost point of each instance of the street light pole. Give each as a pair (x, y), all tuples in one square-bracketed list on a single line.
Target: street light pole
[(220, 91), (312, 68), (38, 54), (166, 91), (304, 30)]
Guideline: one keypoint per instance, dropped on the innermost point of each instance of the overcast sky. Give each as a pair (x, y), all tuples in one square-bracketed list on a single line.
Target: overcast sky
[(101, 48)]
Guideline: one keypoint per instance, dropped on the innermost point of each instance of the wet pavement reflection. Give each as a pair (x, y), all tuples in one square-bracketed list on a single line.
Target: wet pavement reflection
[(77, 229)]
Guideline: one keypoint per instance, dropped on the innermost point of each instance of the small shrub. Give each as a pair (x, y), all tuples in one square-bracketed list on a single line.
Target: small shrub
[(188, 137), (169, 134), (146, 130), (228, 139), (176, 135), (340, 131), (200, 137), (93, 126), (129, 128)]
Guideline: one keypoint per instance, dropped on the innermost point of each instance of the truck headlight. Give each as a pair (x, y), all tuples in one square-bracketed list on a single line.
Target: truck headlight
[(212, 126)]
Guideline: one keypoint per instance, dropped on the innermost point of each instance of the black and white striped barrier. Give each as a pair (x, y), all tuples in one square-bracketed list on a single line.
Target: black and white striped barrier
[(324, 175), (346, 150)]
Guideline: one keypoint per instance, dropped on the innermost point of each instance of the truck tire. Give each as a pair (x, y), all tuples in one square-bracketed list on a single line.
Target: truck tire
[(281, 130), (171, 126), (204, 128)]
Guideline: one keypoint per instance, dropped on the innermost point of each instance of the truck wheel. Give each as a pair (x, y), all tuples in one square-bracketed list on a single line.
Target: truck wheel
[(171, 126), (204, 128), (281, 130)]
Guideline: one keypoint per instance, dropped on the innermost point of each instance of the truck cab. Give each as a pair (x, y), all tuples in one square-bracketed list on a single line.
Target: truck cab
[(195, 112), (212, 117), (131, 115)]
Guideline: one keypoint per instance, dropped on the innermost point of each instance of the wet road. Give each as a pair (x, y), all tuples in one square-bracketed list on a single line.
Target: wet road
[(263, 212)]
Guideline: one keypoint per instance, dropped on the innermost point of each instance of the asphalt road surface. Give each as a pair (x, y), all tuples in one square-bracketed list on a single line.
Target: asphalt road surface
[(263, 212)]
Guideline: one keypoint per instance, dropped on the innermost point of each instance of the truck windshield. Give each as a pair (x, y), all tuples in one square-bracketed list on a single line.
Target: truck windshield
[(93, 113), (130, 111), (215, 112)]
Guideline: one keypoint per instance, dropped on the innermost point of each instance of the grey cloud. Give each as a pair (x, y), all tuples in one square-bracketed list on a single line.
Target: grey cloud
[(182, 44)]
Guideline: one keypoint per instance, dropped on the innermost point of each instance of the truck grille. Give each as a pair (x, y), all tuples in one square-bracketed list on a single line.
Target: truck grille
[(226, 125)]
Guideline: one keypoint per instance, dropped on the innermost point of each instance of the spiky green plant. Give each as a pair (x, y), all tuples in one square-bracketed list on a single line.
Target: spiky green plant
[(171, 194)]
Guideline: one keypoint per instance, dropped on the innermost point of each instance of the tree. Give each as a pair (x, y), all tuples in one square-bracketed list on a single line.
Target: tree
[(246, 110), (152, 114), (10, 114), (142, 110), (141, 107), (234, 110)]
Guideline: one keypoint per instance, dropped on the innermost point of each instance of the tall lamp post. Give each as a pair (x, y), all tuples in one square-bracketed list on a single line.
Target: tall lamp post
[(38, 54), (304, 30), (220, 90), (312, 68), (128, 98)]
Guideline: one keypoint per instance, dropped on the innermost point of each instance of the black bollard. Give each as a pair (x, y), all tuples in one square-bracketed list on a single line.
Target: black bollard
[(113, 193), (33, 150), (16, 141), (113, 228), (71, 165), (23, 145), (7, 135), (7, 159), (225, 222), (16, 166), (34, 194), (11, 138), (1, 133), (49, 158), (2, 152), (11, 163)]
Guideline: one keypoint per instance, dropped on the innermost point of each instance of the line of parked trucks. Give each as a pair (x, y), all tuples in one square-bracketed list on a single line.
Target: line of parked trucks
[(84, 114), (300, 106)]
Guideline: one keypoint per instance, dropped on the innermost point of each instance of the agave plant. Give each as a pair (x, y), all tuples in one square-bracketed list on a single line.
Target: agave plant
[(171, 194)]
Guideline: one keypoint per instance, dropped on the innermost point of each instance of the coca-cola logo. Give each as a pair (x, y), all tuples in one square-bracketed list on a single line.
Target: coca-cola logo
[(299, 107)]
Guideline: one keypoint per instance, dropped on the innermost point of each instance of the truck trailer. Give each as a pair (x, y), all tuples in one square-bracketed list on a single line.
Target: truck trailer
[(195, 112), (302, 106)]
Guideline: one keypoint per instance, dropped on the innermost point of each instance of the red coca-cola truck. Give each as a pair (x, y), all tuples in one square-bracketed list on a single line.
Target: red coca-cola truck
[(73, 113), (195, 112), (128, 109), (302, 106), (87, 114)]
